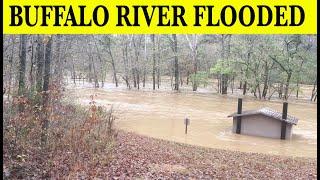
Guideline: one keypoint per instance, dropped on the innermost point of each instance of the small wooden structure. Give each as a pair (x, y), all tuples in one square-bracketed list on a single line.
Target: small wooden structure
[(264, 122)]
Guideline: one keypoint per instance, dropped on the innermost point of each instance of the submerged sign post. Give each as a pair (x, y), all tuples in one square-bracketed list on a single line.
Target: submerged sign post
[(186, 123)]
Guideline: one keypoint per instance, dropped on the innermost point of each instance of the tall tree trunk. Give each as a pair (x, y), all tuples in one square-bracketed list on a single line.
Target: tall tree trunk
[(232, 84), (171, 79), (90, 71), (125, 62), (138, 78), (259, 90), (58, 59), (254, 91), (22, 68), (102, 65), (219, 83), (31, 80), (314, 90), (193, 45), (298, 79), (286, 90), (280, 90), (134, 77), (113, 66), (154, 62), (181, 79), (244, 88), (46, 82), (298, 88), (136, 44), (188, 74), (266, 79), (40, 63), (224, 84), (74, 73), (144, 77), (11, 65), (176, 64), (195, 71), (145, 61), (158, 65), (96, 82)]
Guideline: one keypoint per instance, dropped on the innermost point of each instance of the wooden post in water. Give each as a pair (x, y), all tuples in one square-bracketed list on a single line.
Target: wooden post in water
[(186, 122), (283, 122), (186, 130), (238, 130)]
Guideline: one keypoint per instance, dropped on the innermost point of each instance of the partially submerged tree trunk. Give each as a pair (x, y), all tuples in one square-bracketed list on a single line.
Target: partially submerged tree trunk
[(193, 45), (145, 61), (244, 88), (188, 74), (125, 62), (107, 41), (181, 79), (280, 90), (176, 64), (113, 66), (224, 84), (136, 72), (102, 65), (314, 91), (225, 53), (232, 84)]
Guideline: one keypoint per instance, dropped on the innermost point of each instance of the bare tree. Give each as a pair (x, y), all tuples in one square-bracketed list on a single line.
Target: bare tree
[(46, 82), (174, 47), (193, 45), (154, 62)]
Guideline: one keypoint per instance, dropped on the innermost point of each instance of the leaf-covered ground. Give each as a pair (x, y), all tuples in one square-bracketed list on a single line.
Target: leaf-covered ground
[(140, 157)]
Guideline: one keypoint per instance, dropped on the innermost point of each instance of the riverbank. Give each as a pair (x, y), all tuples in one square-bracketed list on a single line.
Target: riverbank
[(137, 156)]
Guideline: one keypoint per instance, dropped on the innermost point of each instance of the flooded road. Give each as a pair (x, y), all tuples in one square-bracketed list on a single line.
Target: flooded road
[(161, 115)]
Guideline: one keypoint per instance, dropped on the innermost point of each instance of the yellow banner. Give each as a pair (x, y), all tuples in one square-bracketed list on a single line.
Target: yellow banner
[(160, 17)]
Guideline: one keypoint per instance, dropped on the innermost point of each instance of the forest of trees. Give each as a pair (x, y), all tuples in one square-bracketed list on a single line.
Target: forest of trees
[(264, 66)]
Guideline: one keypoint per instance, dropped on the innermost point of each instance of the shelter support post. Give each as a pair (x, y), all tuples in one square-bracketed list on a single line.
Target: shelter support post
[(238, 130), (283, 123)]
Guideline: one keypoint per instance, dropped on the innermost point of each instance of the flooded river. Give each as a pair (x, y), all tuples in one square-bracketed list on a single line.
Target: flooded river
[(161, 115)]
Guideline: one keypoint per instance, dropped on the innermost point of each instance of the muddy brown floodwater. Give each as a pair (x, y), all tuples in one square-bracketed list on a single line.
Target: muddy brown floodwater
[(161, 115)]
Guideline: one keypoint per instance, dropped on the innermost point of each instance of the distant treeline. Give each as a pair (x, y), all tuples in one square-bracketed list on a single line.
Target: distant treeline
[(262, 65)]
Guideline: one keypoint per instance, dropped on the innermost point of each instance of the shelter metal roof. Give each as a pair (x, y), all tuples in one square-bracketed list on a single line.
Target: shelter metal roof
[(269, 113)]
